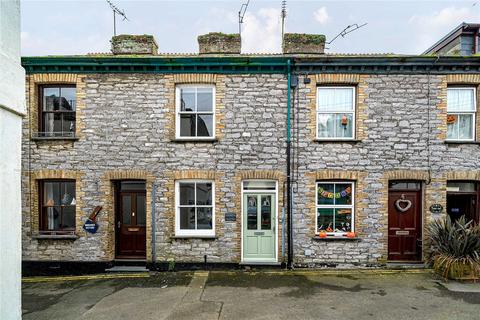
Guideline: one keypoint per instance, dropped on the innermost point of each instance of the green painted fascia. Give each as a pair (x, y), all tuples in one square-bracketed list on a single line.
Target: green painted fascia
[(98, 64), (251, 64)]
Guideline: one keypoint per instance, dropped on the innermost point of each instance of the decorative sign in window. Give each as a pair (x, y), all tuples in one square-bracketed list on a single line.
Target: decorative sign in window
[(335, 207)]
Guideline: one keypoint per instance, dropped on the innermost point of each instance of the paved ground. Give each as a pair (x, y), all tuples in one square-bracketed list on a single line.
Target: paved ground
[(251, 295)]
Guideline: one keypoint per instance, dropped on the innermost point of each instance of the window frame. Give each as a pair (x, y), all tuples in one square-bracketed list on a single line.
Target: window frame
[(328, 206), (473, 113), (55, 134), (42, 216), (476, 194), (353, 112), (178, 112), (194, 232)]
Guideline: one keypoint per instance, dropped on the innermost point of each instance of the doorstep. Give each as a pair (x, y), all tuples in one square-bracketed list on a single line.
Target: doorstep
[(127, 269), (406, 265), (260, 263)]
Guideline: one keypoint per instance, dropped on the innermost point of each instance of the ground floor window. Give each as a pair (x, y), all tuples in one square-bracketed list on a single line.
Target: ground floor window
[(462, 200), (195, 208), (335, 207), (57, 206)]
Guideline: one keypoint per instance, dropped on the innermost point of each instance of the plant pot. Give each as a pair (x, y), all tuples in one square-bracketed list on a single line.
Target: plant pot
[(457, 270)]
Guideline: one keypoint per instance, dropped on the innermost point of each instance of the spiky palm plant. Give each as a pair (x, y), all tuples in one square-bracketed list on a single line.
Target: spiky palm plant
[(455, 248)]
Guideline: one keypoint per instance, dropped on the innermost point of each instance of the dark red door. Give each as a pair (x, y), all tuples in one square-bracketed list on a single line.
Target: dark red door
[(130, 224), (404, 225)]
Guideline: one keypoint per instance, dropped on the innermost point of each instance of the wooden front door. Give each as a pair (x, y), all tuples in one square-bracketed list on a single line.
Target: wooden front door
[(405, 224), (259, 227), (131, 223)]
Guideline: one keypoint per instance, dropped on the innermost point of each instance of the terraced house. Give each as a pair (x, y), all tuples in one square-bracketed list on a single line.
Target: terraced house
[(302, 158)]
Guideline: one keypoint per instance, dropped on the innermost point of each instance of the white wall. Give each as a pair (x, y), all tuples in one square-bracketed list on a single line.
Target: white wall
[(12, 107)]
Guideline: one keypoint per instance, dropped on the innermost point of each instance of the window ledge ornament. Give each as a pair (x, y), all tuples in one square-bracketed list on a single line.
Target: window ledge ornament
[(336, 238)]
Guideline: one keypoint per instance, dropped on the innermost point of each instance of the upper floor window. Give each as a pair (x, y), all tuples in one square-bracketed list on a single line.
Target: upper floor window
[(57, 206), (335, 207), (461, 114), (335, 112), (57, 111), (195, 208), (195, 105)]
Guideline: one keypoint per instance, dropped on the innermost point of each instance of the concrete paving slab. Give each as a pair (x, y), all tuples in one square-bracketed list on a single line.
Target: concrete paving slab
[(456, 286), (400, 295)]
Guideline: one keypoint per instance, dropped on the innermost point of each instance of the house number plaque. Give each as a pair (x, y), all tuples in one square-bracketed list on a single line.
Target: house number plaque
[(436, 208)]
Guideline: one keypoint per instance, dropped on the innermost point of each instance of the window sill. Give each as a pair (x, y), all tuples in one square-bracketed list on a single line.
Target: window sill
[(194, 237), (334, 238), (54, 138), (337, 140), (55, 236), (461, 142), (180, 140)]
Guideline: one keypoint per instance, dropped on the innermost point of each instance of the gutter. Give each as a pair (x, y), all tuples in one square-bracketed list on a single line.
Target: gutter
[(289, 180)]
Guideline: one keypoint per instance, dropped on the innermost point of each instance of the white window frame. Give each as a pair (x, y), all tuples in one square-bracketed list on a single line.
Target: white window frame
[(353, 112), (473, 113), (331, 206), (178, 112), (196, 232)]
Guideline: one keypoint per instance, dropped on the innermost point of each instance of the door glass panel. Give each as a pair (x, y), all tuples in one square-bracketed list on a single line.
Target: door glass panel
[(252, 212), (266, 212), (141, 210), (404, 185), (126, 209), (132, 185), (259, 185), (461, 186)]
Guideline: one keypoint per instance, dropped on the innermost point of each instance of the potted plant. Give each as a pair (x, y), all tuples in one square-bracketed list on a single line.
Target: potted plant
[(455, 248)]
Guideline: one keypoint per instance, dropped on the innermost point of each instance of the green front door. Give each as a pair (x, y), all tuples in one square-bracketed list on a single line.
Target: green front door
[(259, 227)]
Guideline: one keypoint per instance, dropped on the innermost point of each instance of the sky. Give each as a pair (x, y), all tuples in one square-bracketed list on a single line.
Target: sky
[(65, 27)]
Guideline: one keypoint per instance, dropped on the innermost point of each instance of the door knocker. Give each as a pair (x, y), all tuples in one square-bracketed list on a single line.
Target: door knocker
[(403, 204)]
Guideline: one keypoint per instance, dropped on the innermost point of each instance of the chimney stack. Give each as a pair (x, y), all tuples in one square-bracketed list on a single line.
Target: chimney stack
[(217, 42), (294, 43), (134, 44)]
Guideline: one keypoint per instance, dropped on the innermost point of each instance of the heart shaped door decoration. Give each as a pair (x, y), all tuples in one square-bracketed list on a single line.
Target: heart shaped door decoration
[(403, 204)]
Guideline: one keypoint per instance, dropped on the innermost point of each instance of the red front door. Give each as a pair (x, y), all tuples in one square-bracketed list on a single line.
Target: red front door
[(131, 224), (404, 225)]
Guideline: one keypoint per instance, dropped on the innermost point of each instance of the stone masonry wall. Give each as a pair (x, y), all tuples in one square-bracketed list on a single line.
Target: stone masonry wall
[(126, 125)]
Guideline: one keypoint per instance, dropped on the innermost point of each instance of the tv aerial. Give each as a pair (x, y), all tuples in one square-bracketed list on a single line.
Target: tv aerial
[(116, 11), (241, 14), (346, 31)]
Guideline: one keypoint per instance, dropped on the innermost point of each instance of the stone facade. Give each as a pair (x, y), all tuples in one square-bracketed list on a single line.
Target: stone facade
[(217, 42), (294, 43), (134, 44), (126, 129)]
